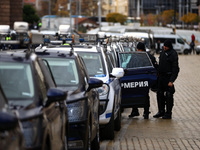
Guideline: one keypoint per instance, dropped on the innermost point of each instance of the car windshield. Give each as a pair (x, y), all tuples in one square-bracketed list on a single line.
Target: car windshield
[(134, 60), (64, 71), (93, 64), (16, 80)]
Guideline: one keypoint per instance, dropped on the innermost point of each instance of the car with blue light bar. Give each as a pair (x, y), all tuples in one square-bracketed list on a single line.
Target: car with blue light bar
[(10, 131), (99, 66), (31, 92), (70, 74)]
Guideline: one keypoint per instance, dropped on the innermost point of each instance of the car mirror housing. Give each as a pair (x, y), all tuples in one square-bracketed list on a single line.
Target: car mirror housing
[(55, 95), (94, 83), (7, 121), (117, 72)]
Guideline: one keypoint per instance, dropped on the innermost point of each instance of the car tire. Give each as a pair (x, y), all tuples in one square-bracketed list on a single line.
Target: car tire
[(186, 51), (197, 53), (96, 141), (118, 121), (107, 133)]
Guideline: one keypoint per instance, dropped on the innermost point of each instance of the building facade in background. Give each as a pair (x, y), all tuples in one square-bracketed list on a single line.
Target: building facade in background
[(110, 6), (139, 7), (10, 11)]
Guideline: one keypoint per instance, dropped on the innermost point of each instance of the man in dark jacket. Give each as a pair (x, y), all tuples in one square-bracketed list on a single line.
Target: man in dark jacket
[(135, 112), (167, 73)]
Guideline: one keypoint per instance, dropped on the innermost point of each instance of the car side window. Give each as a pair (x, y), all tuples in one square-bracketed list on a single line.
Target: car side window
[(48, 79), (180, 41), (41, 82), (134, 60)]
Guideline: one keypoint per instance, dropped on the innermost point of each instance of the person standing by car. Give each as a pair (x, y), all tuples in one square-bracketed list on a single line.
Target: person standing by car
[(158, 47), (167, 73), (135, 112)]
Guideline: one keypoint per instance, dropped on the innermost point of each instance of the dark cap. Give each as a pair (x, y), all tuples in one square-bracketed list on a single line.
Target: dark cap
[(168, 43), (141, 46)]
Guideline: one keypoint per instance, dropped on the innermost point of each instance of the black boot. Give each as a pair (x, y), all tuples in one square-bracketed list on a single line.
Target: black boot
[(134, 113), (167, 116), (159, 114), (146, 112), (146, 115)]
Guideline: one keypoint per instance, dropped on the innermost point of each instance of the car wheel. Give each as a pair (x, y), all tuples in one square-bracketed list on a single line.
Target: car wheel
[(186, 51), (197, 53), (96, 141), (118, 121), (107, 132)]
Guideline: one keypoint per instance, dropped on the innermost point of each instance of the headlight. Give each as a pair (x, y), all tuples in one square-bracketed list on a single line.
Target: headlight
[(77, 111), (103, 90), (30, 128)]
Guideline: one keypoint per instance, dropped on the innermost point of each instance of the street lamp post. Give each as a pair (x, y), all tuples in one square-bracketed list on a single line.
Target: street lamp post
[(174, 17), (49, 13), (70, 14), (99, 4)]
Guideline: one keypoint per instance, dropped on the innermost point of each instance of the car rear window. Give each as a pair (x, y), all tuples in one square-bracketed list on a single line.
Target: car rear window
[(64, 71), (94, 64), (16, 80)]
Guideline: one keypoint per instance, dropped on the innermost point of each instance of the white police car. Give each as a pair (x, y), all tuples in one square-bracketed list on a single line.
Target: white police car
[(100, 66)]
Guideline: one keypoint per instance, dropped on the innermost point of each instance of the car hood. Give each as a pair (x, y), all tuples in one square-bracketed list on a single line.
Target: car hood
[(75, 95)]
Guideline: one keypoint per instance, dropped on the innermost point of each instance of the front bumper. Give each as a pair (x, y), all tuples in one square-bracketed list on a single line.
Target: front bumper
[(78, 133)]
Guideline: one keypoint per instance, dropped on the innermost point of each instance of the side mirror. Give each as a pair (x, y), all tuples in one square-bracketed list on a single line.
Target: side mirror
[(55, 95), (94, 83), (117, 72), (7, 121)]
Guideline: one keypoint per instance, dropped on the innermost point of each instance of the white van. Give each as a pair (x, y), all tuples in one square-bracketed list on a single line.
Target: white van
[(147, 36), (178, 43)]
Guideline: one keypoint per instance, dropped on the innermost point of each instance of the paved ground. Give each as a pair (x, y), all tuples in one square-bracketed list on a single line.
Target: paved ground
[(182, 132)]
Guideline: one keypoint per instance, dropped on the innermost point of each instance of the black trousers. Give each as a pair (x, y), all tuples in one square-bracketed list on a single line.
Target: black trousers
[(146, 106), (165, 98)]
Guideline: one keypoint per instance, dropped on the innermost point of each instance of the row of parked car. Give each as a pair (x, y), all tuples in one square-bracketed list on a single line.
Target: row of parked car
[(69, 95)]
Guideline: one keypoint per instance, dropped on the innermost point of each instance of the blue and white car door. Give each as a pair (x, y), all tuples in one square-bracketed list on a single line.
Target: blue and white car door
[(115, 89), (138, 78)]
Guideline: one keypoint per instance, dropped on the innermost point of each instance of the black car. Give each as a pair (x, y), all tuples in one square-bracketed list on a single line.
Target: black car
[(71, 75), (10, 132), (31, 92)]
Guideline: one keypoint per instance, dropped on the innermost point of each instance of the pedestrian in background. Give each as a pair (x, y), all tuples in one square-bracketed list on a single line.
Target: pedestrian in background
[(158, 47), (192, 44), (193, 38), (135, 112), (167, 73)]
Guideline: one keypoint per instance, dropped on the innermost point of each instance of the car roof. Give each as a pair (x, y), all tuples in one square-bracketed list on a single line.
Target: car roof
[(166, 35), (67, 49), (20, 56)]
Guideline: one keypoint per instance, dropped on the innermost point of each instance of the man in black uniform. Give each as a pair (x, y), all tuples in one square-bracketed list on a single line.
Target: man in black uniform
[(167, 73), (135, 112)]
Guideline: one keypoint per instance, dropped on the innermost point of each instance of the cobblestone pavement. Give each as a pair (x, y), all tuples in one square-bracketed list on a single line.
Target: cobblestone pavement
[(182, 132)]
